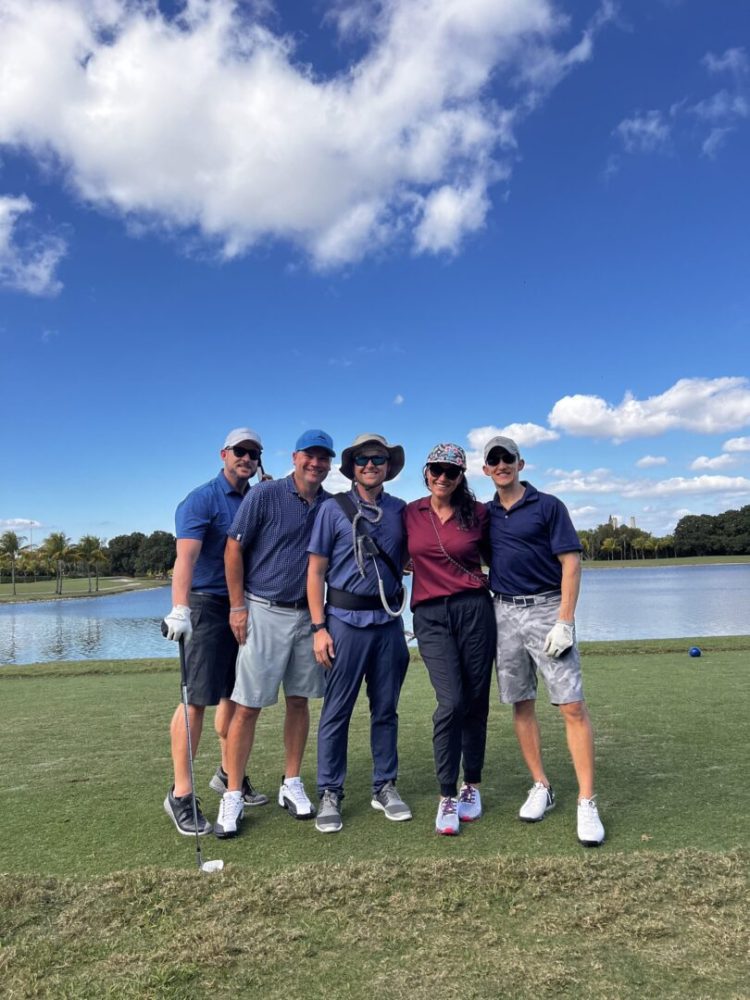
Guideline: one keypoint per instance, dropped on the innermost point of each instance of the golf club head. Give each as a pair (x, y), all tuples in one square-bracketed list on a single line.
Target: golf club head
[(212, 866)]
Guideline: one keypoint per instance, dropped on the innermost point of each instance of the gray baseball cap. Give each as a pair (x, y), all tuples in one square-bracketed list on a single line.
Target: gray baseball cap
[(508, 444)]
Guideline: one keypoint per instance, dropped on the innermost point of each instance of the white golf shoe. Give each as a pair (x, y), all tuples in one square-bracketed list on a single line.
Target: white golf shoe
[(590, 828), (538, 803), (231, 811)]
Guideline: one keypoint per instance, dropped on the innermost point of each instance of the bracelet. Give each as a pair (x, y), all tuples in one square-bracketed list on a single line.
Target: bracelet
[(236, 611)]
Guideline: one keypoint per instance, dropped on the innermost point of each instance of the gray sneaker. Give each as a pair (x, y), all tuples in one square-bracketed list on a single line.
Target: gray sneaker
[(250, 796), (329, 813), (388, 800)]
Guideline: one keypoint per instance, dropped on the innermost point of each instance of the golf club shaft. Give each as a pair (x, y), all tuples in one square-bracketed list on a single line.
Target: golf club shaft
[(183, 685)]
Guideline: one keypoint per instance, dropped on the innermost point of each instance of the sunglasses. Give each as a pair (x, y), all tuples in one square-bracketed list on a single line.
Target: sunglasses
[(239, 452), (449, 471), (496, 457), (361, 460)]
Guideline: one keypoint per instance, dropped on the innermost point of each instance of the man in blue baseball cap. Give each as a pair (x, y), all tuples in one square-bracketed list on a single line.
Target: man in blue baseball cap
[(266, 571)]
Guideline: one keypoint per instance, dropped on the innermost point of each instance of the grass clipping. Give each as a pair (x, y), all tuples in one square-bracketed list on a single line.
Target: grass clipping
[(602, 925)]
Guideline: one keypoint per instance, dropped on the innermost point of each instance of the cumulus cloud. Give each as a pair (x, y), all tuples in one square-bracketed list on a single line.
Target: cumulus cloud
[(705, 406), (28, 259), (703, 462), (601, 481), (737, 444), (207, 119), (648, 461), (398, 399)]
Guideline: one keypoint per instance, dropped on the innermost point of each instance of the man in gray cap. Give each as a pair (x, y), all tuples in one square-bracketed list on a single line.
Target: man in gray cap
[(535, 574), (200, 617), (357, 548)]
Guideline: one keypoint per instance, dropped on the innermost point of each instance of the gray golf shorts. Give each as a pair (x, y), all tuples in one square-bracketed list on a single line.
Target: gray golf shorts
[(211, 652), (521, 632), (278, 649)]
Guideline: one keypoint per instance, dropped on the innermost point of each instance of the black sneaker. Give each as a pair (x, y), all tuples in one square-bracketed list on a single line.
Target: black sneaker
[(249, 795), (180, 811)]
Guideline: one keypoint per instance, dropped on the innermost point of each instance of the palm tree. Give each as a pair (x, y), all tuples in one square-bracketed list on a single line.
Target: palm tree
[(608, 546), (57, 549), (10, 546), (88, 549)]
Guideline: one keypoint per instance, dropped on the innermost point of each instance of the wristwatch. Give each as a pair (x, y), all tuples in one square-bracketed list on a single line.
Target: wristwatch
[(317, 628)]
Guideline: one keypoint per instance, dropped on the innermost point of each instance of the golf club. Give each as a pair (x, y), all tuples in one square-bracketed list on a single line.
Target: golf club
[(204, 866)]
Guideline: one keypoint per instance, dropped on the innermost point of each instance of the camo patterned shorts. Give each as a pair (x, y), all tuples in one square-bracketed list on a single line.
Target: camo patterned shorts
[(521, 633)]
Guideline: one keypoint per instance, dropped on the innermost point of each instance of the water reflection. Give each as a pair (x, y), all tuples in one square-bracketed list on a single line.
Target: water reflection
[(615, 604)]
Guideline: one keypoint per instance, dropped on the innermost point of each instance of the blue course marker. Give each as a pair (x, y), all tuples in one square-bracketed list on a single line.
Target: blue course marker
[(694, 651)]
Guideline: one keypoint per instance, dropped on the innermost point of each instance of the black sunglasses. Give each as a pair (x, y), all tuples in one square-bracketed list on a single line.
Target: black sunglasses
[(361, 460), (451, 472), (239, 452), (496, 457)]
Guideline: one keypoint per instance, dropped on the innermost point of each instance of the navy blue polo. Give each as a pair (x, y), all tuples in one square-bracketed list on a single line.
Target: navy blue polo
[(273, 525), (332, 538), (526, 541), (205, 516)]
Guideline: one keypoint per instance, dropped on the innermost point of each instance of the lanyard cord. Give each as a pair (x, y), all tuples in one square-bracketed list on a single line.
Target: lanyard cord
[(474, 576), (362, 545)]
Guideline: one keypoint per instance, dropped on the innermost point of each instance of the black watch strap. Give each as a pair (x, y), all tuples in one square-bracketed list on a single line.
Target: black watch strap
[(317, 628)]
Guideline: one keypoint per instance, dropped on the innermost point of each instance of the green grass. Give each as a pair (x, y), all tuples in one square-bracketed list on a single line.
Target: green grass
[(99, 888), (44, 590), (662, 561)]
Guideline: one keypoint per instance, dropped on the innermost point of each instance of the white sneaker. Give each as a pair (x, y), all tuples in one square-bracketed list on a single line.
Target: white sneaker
[(469, 803), (293, 798), (590, 829), (538, 802), (446, 821), (231, 811)]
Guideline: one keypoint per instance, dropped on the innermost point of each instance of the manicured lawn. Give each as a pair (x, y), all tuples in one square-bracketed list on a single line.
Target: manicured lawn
[(44, 590), (100, 889), (663, 561)]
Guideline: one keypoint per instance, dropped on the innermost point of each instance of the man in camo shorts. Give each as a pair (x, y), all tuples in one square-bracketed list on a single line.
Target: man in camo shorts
[(535, 574)]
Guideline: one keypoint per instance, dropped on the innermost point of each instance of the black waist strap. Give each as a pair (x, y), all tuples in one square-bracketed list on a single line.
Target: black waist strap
[(357, 602)]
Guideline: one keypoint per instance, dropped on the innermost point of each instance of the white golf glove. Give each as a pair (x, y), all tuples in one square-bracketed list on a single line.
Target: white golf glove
[(178, 623), (560, 638)]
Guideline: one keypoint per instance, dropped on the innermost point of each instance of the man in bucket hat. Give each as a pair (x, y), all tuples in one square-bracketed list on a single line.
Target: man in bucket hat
[(357, 548)]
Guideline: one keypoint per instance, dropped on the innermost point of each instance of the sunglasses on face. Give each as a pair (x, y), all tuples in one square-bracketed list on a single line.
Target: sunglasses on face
[(449, 471), (361, 460), (252, 453), (496, 457)]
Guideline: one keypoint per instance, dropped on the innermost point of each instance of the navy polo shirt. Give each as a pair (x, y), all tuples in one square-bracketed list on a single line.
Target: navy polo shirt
[(205, 516), (332, 538), (273, 525), (526, 541)]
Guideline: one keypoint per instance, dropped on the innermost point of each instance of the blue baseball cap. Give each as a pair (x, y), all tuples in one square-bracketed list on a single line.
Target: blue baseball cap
[(315, 439)]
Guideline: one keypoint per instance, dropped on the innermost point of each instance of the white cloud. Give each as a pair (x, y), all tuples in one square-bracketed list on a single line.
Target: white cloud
[(737, 444), (648, 461), (335, 482), (644, 132), (710, 120), (207, 119), (398, 399), (703, 462), (28, 260), (704, 406), (18, 524), (700, 484)]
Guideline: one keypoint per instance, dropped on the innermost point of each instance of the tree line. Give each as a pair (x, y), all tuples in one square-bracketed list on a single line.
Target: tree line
[(726, 534), (135, 554)]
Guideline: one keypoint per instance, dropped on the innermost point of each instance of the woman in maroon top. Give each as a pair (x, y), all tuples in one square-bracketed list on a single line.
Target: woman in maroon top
[(454, 623)]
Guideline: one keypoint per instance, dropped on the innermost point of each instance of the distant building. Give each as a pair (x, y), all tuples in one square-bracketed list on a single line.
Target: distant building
[(632, 522), (614, 521)]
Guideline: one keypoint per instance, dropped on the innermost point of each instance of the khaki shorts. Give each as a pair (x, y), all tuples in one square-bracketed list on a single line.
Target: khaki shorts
[(278, 649), (521, 632)]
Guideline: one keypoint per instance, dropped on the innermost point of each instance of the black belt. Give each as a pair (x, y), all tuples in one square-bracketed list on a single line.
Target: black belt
[(358, 602), (527, 602), (300, 605)]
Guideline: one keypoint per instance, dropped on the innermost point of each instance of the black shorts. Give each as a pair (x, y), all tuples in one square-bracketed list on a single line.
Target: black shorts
[(211, 653)]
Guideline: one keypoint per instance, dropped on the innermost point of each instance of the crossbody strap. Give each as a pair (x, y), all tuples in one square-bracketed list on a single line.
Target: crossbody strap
[(349, 508)]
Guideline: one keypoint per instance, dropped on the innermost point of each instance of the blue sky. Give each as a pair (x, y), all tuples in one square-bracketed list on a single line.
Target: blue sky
[(433, 220)]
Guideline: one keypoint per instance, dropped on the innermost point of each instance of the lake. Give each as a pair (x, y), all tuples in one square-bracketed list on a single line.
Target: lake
[(656, 603)]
